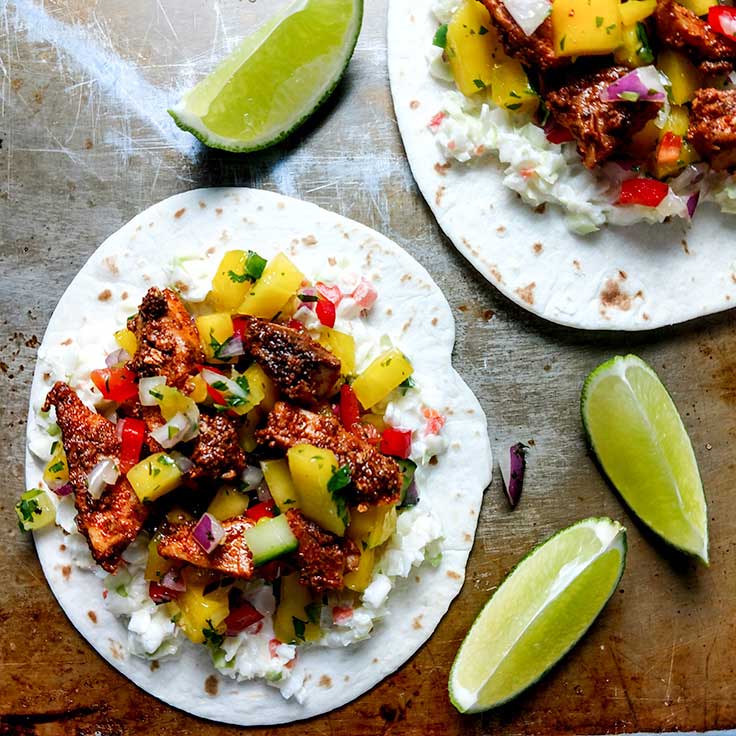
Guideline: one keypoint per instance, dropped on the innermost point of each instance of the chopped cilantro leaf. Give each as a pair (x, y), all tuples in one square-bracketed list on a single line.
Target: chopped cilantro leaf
[(57, 467), (440, 38), (313, 611), (483, 31), (299, 627), (212, 638), (598, 21), (479, 83)]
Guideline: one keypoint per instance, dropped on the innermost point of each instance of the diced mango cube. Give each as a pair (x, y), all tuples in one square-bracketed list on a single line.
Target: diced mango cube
[(196, 389), (342, 346), (247, 431), (157, 566), (279, 482), (154, 477), (201, 613), (297, 617), (699, 7), (584, 28), (127, 341), (35, 510), (373, 526), (635, 11), (56, 472), (261, 385), (381, 377), (229, 284), (358, 580), (214, 331), (277, 285), (684, 77), (228, 503)]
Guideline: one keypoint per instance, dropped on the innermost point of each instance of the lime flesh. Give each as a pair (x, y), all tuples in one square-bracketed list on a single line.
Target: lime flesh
[(275, 79), (538, 613), (642, 445)]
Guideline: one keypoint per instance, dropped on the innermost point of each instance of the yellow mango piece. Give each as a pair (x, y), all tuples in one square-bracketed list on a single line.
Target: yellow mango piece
[(678, 122), (358, 580), (127, 341), (635, 11), (255, 376), (35, 510), (279, 482), (375, 419), (56, 472), (157, 566), (699, 7), (278, 284), (635, 50), (154, 477), (342, 346), (247, 431), (261, 385), (643, 143), (214, 331), (196, 389), (199, 611), (172, 401), (311, 470), (297, 616), (178, 515), (510, 88), (228, 503), (470, 47), (228, 285), (381, 377), (683, 75), (373, 526), (586, 28)]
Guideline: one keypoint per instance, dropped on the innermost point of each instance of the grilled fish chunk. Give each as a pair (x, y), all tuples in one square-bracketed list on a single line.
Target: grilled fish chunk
[(217, 453), (231, 557), (679, 28), (376, 478), (168, 341), (113, 521), (322, 558), (599, 127), (536, 51), (302, 369), (713, 126)]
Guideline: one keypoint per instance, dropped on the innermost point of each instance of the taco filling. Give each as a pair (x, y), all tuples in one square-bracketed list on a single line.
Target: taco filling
[(618, 111), (240, 472)]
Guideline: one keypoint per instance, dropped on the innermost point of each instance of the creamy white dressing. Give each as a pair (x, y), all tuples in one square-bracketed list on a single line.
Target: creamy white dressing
[(151, 633), (476, 132)]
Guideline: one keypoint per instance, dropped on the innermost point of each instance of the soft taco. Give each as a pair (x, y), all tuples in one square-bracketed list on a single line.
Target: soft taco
[(565, 148), (250, 459)]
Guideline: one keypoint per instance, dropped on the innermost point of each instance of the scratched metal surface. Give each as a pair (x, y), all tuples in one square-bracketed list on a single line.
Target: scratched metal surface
[(86, 144)]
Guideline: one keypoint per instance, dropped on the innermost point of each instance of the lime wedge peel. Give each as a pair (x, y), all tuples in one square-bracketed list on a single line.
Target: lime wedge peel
[(275, 79), (641, 443), (538, 614)]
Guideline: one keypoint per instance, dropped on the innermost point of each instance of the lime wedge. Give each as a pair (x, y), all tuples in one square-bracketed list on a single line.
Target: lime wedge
[(275, 79), (538, 613), (642, 445)]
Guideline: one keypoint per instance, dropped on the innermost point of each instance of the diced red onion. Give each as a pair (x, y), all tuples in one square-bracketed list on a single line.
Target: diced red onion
[(173, 581), (251, 477), (732, 78), (208, 532), (312, 294), (64, 490), (411, 497), (528, 14), (146, 385), (116, 357), (180, 428), (105, 473), (512, 472), (640, 85), (182, 461), (264, 495), (692, 204), (232, 348)]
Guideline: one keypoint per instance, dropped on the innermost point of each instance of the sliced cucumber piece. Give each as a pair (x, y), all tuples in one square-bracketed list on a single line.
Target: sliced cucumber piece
[(269, 539)]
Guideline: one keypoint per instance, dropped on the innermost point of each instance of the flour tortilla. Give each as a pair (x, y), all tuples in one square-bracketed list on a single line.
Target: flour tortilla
[(621, 278), (410, 305)]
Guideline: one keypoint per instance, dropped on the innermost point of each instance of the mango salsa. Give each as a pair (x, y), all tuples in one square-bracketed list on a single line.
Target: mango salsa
[(127, 341), (635, 49), (261, 385), (256, 379), (297, 616), (270, 293), (585, 28), (478, 61), (699, 7), (373, 526), (157, 566), (381, 377), (35, 510), (342, 346), (279, 482), (227, 503), (172, 402), (154, 477), (635, 11), (683, 75), (214, 331), (312, 470), (56, 472), (201, 613), (358, 580)]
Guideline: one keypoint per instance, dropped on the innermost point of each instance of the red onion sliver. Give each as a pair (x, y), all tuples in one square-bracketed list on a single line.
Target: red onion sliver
[(182, 461), (64, 490), (117, 357), (232, 348), (312, 296), (692, 203), (173, 581), (513, 478), (208, 532), (640, 85)]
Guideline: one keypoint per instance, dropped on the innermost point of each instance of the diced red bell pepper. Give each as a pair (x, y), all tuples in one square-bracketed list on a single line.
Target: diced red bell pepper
[(239, 327), (349, 407), (132, 433), (669, 149), (160, 593), (241, 617), (264, 510), (396, 442), (722, 19), (213, 393), (341, 614), (295, 324), (325, 311), (435, 421), (331, 293), (115, 384), (557, 134), (646, 192)]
